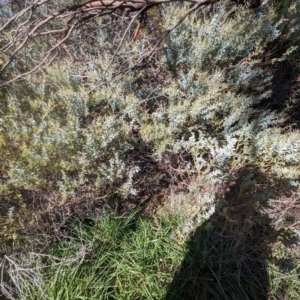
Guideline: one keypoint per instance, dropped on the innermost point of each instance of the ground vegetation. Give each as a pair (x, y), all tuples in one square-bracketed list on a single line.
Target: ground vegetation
[(133, 173)]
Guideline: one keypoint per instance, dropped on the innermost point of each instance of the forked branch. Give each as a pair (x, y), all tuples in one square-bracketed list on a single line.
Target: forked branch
[(50, 23)]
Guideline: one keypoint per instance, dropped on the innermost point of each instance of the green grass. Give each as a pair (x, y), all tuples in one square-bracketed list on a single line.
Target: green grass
[(136, 258), (115, 258)]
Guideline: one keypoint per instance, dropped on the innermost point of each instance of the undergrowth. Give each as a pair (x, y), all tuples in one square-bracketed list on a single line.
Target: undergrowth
[(114, 258), (135, 258), (207, 131)]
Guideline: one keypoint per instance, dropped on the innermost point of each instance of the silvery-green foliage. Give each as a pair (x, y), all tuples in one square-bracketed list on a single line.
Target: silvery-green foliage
[(65, 138), (213, 109), (81, 134)]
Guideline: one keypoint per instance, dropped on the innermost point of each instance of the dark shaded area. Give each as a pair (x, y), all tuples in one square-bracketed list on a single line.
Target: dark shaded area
[(220, 265), (285, 87), (226, 256), (250, 3), (283, 74)]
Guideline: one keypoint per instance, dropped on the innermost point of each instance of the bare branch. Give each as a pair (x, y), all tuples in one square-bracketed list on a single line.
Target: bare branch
[(53, 19)]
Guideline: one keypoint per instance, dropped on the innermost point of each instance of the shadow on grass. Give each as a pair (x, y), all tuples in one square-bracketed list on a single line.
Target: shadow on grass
[(227, 256)]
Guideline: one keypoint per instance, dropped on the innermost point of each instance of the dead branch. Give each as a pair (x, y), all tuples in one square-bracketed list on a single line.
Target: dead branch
[(49, 18)]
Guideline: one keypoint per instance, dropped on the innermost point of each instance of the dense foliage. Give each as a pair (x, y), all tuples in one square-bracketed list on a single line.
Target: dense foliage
[(207, 127)]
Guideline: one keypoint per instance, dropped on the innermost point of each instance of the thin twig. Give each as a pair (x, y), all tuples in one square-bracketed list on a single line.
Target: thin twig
[(123, 37)]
